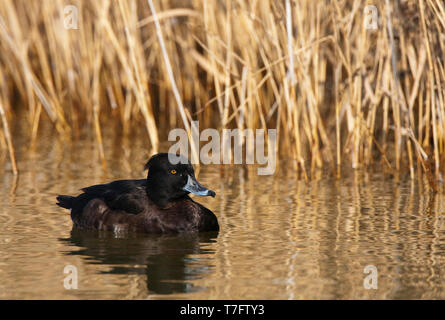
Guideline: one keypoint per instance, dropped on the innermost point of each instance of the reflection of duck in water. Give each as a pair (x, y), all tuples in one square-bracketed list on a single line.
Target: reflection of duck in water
[(158, 204), (163, 258)]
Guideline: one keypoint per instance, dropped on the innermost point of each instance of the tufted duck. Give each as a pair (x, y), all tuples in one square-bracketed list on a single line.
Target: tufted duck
[(158, 204)]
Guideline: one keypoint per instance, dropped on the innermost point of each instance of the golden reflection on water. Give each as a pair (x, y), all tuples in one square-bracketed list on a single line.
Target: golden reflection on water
[(280, 238)]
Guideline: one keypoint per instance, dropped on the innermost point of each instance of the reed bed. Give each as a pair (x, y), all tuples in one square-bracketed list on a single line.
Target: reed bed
[(339, 94)]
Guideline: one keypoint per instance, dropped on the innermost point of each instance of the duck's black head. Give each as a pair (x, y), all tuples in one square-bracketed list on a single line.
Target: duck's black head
[(172, 177)]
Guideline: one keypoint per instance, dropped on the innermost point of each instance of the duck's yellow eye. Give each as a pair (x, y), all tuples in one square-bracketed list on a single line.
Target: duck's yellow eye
[(173, 171)]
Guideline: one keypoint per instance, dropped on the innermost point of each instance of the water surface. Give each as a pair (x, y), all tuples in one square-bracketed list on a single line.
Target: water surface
[(280, 238)]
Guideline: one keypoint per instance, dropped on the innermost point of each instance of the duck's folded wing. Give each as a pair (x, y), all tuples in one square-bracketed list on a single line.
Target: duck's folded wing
[(125, 195)]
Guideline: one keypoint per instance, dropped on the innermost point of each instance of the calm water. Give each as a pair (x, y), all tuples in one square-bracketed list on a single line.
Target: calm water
[(280, 237)]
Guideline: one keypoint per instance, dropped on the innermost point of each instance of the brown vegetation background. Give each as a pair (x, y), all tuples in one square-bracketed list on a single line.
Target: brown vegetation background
[(338, 93)]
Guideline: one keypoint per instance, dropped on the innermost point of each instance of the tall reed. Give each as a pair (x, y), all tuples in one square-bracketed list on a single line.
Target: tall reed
[(339, 93)]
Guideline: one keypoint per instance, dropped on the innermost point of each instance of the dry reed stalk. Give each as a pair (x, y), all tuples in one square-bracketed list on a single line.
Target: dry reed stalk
[(96, 103), (8, 139), (194, 150), (140, 76)]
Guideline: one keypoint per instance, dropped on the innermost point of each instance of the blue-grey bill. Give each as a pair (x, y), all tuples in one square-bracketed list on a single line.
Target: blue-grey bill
[(193, 186)]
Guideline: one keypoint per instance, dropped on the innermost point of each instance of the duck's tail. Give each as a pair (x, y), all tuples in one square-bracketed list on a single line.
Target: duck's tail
[(65, 201)]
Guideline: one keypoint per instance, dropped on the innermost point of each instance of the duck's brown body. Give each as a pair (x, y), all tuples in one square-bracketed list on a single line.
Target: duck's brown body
[(184, 215)]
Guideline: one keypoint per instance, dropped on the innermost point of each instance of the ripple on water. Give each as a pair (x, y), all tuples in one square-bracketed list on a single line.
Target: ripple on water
[(280, 238)]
